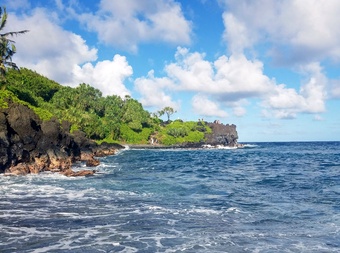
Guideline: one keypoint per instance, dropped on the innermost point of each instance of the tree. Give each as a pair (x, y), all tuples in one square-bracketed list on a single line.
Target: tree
[(134, 114), (7, 47), (168, 111)]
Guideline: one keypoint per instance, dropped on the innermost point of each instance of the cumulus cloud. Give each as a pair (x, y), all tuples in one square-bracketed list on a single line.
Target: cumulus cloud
[(230, 78), (230, 82), (155, 91), (47, 48), (292, 28), (287, 102), (64, 56), (107, 76), (207, 108), (125, 24), (236, 34), (298, 34)]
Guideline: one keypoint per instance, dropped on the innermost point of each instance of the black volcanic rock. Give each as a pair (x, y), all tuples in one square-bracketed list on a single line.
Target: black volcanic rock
[(29, 145), (225, 135)]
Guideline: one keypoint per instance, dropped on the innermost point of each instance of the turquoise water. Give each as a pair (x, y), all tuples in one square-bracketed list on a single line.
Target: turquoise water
[(267, 197)]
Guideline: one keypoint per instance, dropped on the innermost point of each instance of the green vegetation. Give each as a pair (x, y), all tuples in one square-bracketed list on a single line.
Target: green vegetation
[(109, 119), (166, 110), (182, 132)]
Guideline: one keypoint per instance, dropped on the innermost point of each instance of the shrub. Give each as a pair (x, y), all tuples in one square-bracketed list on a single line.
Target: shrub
[(130, 136)]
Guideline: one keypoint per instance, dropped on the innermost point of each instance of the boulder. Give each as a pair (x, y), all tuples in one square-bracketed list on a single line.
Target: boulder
[(82, 173), (92, 162)]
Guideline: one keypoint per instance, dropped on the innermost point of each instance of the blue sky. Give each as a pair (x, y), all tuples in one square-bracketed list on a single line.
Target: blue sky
[(270, 67)]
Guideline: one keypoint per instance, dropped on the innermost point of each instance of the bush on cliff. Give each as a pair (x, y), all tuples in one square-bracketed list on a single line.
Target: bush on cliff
[(178, 132)]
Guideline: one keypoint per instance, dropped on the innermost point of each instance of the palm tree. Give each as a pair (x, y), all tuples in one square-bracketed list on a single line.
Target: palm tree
[(7, 47)]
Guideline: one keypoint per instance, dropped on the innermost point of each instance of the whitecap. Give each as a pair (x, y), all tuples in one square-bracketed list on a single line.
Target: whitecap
[(233, 210)]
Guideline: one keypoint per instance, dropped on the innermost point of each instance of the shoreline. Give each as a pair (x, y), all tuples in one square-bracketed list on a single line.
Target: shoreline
[(182, 146)]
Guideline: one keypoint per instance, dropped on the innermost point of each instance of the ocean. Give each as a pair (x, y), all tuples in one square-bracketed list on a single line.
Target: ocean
[(266, 197)]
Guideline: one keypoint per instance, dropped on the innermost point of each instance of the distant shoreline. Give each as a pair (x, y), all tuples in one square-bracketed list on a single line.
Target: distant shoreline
[(181, 146)]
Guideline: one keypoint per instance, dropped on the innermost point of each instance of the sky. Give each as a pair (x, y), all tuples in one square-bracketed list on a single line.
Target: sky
[(271, 67)]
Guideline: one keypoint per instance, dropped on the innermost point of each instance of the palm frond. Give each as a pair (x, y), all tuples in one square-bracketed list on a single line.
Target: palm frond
[(13, 33), (3, 19), (7, 47)]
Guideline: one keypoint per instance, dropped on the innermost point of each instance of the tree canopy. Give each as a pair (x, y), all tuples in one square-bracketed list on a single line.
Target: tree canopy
[(168, 111), (109, 118)]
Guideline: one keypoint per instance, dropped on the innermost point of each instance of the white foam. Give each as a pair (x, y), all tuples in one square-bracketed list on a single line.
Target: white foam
[(250, 145), (233, 210)]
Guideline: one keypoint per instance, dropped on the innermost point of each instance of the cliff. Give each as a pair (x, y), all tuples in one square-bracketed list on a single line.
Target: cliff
[(225, 135), (29, 145)]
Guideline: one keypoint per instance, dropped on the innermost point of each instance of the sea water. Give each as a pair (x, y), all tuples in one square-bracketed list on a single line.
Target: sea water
[(266, 197)]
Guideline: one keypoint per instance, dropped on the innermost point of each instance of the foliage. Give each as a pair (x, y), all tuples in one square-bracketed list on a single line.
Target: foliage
[(166, 110), (183, 132), (107, 119), (134, 115), (6, 96), (7, 47), (32, 84), (110, 119), (128, 135)]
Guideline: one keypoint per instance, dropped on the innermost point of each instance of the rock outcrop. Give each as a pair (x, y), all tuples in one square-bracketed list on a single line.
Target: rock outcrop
[(29, 145), (225, 135), (220, 136)]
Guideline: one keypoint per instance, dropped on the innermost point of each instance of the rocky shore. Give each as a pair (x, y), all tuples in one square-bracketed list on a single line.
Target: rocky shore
[(29, 145), (222, 136)]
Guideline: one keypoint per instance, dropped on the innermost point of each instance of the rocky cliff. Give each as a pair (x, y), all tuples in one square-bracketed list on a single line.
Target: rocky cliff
[(29, 145), (225, 135)]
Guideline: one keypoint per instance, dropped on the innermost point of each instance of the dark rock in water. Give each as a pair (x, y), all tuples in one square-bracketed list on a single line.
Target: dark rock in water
[(71, 173), (225, 135), (106, 149), (92, 162), (29, 145)]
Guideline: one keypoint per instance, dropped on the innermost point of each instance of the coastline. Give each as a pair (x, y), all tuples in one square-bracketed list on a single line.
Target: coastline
[(183, 146), (29, 145)]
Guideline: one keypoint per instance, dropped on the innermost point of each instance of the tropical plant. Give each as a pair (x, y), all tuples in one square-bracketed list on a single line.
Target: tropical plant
[(7, 47), (168, 111), (40, 87), (134, 115)]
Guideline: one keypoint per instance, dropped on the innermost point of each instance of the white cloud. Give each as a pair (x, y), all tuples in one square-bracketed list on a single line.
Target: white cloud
[(64, 56), (155, 91), (205, 107), (236, 34), (230, 78), (231, 82), (242, 78), (107, 76), (125, 24), (296, 30), (314, 91), (47, 48), (287, 102)]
